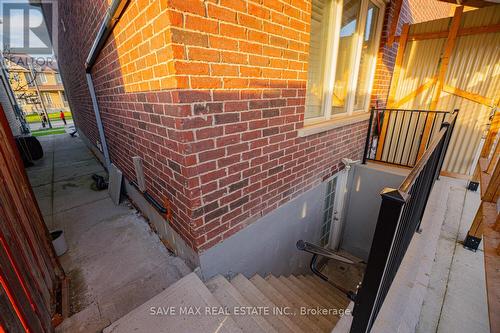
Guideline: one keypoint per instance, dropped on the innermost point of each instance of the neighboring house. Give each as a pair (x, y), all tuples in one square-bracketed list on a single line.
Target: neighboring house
[(13, 112), (25, 80), (224, 102)]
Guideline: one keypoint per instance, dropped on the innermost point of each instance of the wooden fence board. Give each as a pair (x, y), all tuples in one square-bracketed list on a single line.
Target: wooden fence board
[(9, 322), (29, 269)]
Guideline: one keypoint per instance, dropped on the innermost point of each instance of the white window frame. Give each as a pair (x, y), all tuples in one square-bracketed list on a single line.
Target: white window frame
[(42, 77), (332, 48), (48, 99)]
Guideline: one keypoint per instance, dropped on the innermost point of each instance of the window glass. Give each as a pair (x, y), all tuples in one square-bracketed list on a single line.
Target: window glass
[(328, 212), (368, 53), (41, 78), (346, 55), (342, 52), (48, 98), (320, 22)]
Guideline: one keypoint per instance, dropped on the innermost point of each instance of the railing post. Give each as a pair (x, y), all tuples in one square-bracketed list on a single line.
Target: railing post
[(442, 151), (366, 306), (368, 135), (444, 148)]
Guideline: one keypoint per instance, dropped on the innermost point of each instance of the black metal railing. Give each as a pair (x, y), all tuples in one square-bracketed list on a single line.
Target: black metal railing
[(318, 251), (399, 218), (396, 136)]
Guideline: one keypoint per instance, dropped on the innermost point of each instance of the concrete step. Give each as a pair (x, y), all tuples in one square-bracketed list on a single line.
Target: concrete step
[(325, 290), (311, 298), (336, 292), (336, 296), (280, 300), (315, 293), (230, 297), (162, 313), (255, 297), (299, 302)]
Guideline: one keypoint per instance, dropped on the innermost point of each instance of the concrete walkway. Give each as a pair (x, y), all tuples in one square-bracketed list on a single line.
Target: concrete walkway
[(115, 261), (455, 300), (439, 286)]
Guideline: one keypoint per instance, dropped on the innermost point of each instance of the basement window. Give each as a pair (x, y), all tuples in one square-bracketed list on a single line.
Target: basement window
[(345, 36), (328, 212)]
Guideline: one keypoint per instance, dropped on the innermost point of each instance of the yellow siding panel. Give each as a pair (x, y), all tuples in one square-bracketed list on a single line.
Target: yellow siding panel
[(474, 67)]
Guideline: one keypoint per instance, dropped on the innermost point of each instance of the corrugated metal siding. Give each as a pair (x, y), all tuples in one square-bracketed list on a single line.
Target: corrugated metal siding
[(474, 67)]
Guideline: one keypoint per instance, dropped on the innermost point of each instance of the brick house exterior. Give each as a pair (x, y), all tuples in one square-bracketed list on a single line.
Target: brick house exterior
[(211, 95)]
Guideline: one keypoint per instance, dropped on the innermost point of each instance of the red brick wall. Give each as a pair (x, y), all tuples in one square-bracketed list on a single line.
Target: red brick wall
[(76, 35), (211, 95), (412, 11)]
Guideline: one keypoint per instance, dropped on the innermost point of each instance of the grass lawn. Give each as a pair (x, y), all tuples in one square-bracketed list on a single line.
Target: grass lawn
[(34, 118), (57, 130)]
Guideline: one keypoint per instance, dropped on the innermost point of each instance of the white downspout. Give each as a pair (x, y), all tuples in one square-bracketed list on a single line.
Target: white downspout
[(97, 113)]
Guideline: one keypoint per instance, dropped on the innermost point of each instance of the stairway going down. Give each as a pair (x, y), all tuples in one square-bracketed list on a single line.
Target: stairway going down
[(270, 304)]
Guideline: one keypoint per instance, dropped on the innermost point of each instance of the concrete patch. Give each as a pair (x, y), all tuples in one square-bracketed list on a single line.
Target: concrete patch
[(40, 176), (115, 261), (76, 169), (79, 219), (444, 254), (86, 321), (455, 300), (75, 192), (71, 155), (65, 142), (43, 196), (465, 308)]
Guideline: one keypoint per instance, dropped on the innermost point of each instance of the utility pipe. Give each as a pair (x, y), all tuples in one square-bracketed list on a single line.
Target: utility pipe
[(110, 19)]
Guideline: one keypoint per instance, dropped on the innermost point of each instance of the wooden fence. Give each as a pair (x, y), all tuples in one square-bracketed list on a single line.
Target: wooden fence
[(30, 274)]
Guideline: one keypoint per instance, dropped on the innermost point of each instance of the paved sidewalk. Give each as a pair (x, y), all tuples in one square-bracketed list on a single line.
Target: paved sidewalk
[(55, 123), (455, 300), (439, 286), (115, 261)]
